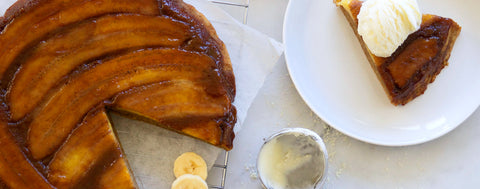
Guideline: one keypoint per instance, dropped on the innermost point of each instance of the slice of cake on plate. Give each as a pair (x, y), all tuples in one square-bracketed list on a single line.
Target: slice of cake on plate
[(406, 49)]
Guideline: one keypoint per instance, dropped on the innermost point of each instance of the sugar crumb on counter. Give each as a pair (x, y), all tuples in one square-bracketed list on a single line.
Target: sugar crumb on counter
[(252, 170)]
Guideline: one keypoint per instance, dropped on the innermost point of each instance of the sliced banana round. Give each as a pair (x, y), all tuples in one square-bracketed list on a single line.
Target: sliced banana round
[(190, 163), (189, 181)]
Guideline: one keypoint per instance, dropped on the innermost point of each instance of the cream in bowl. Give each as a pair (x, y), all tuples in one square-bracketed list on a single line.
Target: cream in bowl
[(294, 158)]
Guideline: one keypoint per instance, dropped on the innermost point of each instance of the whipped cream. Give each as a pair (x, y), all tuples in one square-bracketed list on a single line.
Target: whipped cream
[(385, 24)]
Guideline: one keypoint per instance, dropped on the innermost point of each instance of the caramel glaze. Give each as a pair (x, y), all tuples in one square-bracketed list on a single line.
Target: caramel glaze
[(93, 175), (3, 185), (206, 42), (203, 40), (418, 60)]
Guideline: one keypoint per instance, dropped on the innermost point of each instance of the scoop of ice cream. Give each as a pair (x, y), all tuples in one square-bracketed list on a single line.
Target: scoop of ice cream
[(385, 24)]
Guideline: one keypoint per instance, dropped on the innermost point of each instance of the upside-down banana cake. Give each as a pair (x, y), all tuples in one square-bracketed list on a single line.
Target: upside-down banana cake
[(406, 73), (64, 63)]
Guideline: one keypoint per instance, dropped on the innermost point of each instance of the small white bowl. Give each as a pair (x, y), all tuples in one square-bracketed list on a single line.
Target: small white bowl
[(299, 133)]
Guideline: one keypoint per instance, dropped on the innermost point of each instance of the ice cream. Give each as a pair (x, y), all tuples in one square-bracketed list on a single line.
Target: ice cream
[(385, 24)]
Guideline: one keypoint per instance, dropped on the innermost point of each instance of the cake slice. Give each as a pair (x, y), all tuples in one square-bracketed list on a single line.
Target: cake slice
[(406, 73), (91, 156)]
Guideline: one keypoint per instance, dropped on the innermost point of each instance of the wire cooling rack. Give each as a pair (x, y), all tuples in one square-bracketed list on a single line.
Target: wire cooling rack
[(224, 165)]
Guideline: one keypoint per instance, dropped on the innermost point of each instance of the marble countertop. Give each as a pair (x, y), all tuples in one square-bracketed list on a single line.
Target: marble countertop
[(449, 161)]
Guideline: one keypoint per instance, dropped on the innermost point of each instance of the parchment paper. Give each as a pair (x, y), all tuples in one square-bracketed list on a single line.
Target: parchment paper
[(151, 150)]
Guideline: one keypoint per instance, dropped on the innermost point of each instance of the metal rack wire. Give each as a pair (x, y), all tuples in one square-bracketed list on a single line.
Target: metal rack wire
[(224, 172), (245, 5), (224, 166)]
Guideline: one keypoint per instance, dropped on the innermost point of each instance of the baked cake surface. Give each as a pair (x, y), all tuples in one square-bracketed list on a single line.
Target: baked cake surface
[(64, 63), (416, 63)]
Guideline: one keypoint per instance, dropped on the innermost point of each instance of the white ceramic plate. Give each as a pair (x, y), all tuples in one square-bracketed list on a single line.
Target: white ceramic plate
[(333, 76)]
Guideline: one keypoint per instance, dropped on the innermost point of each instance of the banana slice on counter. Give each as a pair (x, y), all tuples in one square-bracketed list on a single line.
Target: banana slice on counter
[(190, 163), (189, 181)]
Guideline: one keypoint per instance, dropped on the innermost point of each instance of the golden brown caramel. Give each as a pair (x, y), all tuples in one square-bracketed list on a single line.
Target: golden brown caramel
[(61, 54), (412, 59), (80, 92)]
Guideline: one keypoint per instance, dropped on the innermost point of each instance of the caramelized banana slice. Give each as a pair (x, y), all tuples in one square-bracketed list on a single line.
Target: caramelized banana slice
[(59, 55), (15, 169), (172, 99), (90, 156), (41, 18), (51, 125), (180, 105)]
